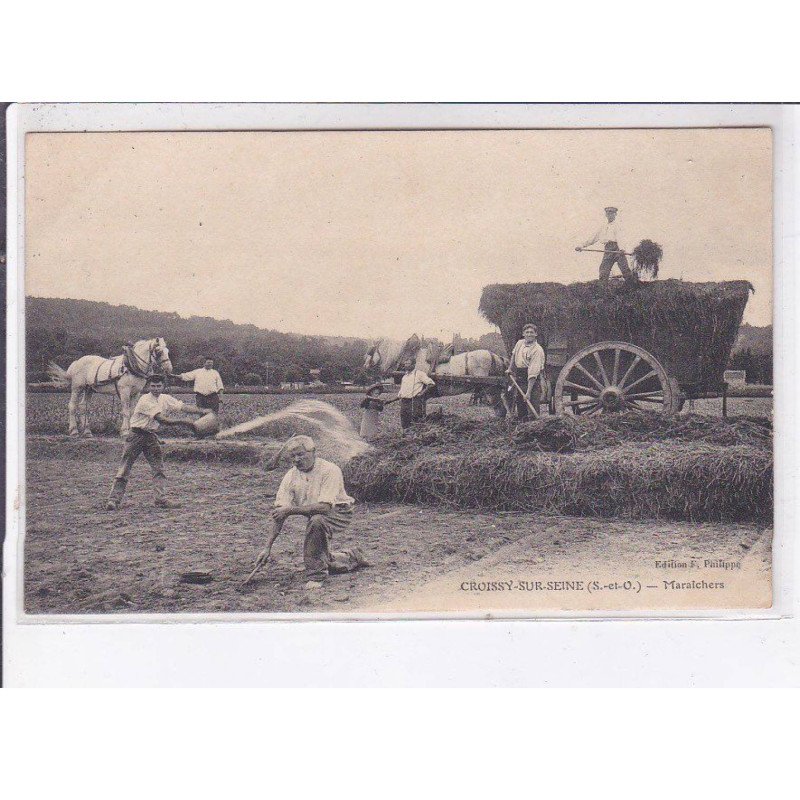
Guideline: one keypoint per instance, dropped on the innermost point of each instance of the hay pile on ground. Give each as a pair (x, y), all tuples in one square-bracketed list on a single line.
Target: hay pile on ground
[(690, 327), (685, 468), (568, 434)]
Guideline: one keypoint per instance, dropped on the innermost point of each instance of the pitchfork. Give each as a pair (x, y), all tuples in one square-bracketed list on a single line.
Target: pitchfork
[(525, 396)]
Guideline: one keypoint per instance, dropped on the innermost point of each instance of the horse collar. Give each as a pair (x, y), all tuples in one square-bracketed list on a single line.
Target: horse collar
[(134, 363)]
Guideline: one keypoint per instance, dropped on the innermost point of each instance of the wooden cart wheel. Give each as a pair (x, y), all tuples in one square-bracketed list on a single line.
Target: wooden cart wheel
[(678, 397), (613, 376)]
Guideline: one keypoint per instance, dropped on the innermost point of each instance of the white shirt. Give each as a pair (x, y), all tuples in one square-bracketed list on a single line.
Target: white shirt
[(323, 483), (148, 406), (530, 356), (610, 232), (206, 381), (413, 383)]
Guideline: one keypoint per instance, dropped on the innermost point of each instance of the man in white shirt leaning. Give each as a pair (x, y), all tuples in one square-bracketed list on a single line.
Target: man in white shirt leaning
[(610, 237), (207, 385), (526, 365), (151, 412), (314, 488)]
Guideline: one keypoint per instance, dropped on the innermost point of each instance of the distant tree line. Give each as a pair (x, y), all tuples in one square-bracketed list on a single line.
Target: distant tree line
[(753, 353), (63, 330), (757, 366)]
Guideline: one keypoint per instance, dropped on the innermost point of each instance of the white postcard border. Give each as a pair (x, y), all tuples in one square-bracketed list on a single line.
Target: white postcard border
[(19, 629)]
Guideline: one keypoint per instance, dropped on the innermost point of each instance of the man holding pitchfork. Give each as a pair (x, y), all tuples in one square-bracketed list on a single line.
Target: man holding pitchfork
[(525, 366), (609, 236)]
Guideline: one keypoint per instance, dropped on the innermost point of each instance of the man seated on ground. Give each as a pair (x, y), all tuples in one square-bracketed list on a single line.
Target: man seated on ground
[(148, 416), (314, 488), (415, 385)]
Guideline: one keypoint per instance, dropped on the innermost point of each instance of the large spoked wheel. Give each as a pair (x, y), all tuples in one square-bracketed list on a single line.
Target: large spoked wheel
[(613, 376)]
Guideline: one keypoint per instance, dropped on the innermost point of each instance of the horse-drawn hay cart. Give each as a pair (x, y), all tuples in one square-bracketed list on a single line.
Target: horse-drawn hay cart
[(614, 347)]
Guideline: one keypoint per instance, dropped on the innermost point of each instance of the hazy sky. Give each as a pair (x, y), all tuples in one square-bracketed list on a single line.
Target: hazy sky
[(383, 233)]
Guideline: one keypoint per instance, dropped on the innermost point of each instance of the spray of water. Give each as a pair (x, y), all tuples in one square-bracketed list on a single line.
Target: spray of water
[(335, 437)]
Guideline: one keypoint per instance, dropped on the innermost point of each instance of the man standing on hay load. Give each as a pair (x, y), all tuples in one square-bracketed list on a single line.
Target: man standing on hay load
[(609, 236), (526, 365), (148, 416), (314, 488)]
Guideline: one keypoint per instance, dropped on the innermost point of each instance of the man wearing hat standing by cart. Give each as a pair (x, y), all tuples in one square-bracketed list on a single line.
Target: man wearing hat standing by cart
[(609, 236), (148, 416), (526, 365)]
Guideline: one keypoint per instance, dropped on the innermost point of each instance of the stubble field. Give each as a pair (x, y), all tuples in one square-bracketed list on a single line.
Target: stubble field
[(46, 413)]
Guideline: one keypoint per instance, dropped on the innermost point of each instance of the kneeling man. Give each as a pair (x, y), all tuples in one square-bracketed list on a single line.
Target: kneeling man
[(314, 488)]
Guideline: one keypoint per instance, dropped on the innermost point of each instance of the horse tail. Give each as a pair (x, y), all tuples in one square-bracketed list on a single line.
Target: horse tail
[(58, 376)]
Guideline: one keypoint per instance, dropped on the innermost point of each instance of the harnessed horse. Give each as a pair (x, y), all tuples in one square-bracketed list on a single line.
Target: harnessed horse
[(125, 376), (386, 356)]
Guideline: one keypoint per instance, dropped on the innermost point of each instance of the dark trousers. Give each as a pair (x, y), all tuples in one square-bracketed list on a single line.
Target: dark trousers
[(609, 259), (320, 561), (521, 377), (411, 410), (210, 401), (140, 442)]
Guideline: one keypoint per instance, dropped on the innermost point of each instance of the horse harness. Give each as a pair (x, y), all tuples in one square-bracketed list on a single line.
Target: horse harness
[(113, 369)]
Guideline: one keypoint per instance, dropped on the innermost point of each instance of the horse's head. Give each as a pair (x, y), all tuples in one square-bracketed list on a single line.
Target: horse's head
[(386, 356), (408, 352), (424, 355), (159, 356), (372, 358)]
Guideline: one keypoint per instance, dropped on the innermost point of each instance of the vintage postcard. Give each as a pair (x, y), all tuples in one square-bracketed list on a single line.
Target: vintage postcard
[(367, 371)]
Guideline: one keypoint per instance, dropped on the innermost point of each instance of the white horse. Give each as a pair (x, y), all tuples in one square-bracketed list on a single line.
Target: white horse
[(124, 376), (386, 356)]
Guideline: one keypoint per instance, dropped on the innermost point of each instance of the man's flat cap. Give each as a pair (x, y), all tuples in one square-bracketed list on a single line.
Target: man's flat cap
[(611, 208)]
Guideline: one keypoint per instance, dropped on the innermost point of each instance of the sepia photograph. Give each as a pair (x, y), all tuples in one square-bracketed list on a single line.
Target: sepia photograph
[(443, 372)]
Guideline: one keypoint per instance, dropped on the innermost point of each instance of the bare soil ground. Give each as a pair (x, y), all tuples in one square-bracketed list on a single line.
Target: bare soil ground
[(81, 559)]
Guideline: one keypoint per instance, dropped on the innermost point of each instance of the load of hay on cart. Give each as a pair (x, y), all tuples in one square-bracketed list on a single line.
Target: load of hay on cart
[(618, 347)]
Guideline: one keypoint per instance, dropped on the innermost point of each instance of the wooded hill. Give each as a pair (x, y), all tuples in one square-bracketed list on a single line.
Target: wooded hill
[(62, 330), (754, 338), (753, 353)]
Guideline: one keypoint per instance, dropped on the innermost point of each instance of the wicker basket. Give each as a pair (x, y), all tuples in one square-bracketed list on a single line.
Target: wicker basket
[(207, 425)]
